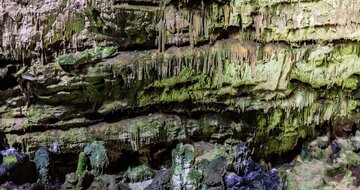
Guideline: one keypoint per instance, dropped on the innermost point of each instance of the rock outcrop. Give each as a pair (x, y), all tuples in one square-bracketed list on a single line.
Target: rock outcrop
[(44, 166)]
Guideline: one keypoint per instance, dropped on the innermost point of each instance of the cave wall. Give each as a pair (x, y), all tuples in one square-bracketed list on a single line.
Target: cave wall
[(75, 71)]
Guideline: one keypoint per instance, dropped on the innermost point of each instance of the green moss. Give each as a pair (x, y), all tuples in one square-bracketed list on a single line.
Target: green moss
[(38, 114), (185, 75), (96, 23), (338, 68), (73, 122), (352, 158), (275, 120), (144, 131), (351, 83), (217, 152), (280, 131), (86, 56), (136, 134), (335, 170), (196, 176), (185, 151), (18, 17), (75, 25), (352, 106), (139, 173), (95, 92), (208, 129), (83, 163), (111, 107), (10, 160), (98, 157), (50, 21)]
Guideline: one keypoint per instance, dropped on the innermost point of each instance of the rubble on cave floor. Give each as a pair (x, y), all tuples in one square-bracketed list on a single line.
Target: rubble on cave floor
[(320, 167)]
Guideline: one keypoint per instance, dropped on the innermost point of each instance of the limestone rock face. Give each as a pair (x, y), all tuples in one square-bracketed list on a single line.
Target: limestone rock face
[(37, 29), (140, 76)]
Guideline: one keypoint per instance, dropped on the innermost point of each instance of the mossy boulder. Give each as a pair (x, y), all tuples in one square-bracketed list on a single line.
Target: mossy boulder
[(316, 150), (98, 158), (139, 173), (13, 165), (212, 171), (83, 163)]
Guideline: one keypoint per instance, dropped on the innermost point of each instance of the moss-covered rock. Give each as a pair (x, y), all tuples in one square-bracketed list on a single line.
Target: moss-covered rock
[(83, 163), (139, 173), (183, 159), (321, 169), (10, 160), (86, 56), (98, 158)]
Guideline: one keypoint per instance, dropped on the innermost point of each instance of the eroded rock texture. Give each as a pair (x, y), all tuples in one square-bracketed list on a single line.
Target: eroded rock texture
[(140, 76)]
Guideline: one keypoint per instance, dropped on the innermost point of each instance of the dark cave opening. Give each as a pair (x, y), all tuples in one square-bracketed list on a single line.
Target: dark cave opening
[(156, 156), (277, 160), (126, 159), (64, 164)]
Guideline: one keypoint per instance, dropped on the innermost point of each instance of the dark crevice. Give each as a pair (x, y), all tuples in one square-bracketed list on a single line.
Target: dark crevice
[(138, 47), (157, 156), (288, 156), (8, 82), (137, 3), (64, 164), (6, 63), (8, 79), (126, 159)]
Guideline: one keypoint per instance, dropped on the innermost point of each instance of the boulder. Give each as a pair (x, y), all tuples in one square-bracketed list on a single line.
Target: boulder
[(139, 173), (98, 158), (44, 166)]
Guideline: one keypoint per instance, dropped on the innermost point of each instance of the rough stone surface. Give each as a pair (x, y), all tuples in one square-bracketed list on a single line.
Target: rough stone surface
[(98, 158), (43, 165), (327, 171)]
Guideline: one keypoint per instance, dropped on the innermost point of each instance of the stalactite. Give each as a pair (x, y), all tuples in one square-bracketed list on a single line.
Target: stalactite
[(161, 28), (141, 72), (191, 30), (220, 71), (253, 59), (258, 24)]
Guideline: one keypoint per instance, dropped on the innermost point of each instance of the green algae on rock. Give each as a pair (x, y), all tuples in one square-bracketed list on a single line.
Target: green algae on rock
[(288, 104), (86, 56), (139, 173), (10, 160), (82, 164)]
